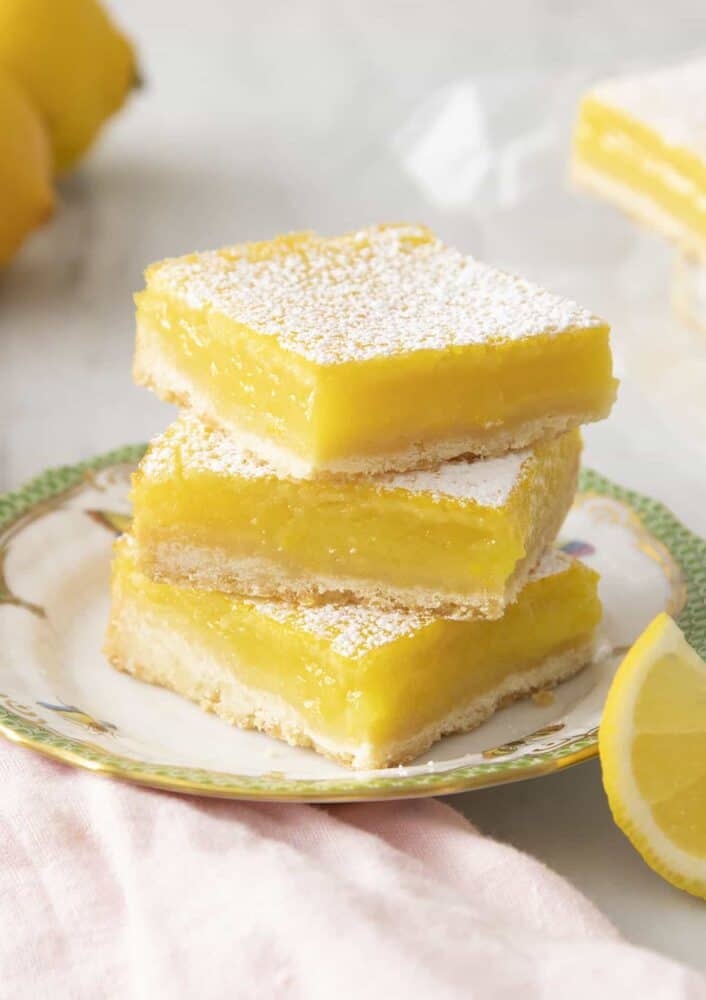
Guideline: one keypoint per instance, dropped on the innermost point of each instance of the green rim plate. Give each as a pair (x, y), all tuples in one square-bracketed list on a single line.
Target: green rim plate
[(23, 727)]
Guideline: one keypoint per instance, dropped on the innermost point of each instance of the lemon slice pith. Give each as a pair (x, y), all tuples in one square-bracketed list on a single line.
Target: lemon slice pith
[(652, 743)]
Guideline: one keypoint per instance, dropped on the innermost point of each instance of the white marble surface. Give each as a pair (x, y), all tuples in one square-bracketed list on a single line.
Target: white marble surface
[(287, 115)]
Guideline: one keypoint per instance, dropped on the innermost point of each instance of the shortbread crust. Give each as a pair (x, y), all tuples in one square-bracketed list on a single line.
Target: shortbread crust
[(176, 664), (166, 635)]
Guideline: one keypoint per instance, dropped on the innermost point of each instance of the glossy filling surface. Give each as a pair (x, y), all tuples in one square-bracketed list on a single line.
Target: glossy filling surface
[(458, 532), (368, 345), (354, 676)]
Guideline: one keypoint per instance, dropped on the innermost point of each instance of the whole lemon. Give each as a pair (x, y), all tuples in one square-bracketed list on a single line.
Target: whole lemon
[(26, 193), (74, 64)]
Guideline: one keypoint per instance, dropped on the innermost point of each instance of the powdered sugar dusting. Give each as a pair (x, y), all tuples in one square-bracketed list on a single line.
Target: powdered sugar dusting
[(671, 101), (192, 447), (486, 481), (354, 630), (351, 630), (381, 291)]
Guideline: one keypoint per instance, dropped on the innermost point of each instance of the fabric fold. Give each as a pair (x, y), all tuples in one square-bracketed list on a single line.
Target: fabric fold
[(112, 890)]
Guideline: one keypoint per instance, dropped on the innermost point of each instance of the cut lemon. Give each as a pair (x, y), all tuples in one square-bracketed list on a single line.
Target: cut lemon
[(652, 744)]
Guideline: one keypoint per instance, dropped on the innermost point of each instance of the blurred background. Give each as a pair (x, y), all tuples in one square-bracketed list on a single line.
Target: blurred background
[(260, 118), (254, 119)]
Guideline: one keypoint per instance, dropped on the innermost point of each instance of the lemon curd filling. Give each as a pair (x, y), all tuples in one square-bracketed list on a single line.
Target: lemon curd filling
[(460, 539), (367, 687), (378, 350), (639, 142)]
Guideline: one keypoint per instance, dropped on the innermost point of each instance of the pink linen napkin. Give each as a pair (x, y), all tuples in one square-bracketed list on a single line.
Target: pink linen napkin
[(113, 891)]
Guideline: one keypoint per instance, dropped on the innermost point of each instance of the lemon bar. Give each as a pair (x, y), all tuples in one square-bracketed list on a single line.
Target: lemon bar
[(381, 350), (640, 143), (368, 688), (458, 540)]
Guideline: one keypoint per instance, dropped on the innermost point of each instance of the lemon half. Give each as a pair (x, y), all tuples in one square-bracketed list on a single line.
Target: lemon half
[(652, 743)]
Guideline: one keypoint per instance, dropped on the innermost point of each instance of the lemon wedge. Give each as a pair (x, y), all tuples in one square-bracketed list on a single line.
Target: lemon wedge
[(652, 744)]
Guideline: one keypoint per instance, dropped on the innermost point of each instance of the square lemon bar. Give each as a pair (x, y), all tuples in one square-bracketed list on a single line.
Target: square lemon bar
[(640, 143), (458, 540), (381, 350), (368, 688)]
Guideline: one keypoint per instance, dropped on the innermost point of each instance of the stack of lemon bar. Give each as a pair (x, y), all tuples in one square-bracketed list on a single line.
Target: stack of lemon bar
[(345, 540), (640, 143)]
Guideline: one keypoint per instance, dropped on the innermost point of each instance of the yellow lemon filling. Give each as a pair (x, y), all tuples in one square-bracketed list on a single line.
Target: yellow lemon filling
[(460, 539), (378, 350), (653, 752), (366, 687), (638, 143)]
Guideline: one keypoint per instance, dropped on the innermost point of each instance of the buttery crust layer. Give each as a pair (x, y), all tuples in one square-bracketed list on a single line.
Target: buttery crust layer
[(209, 569), (217, 569), (641, 208), (151, 370), (149, 650)]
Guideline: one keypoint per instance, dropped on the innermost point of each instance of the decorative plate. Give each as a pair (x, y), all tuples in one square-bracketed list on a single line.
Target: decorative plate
[(60, 697)]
